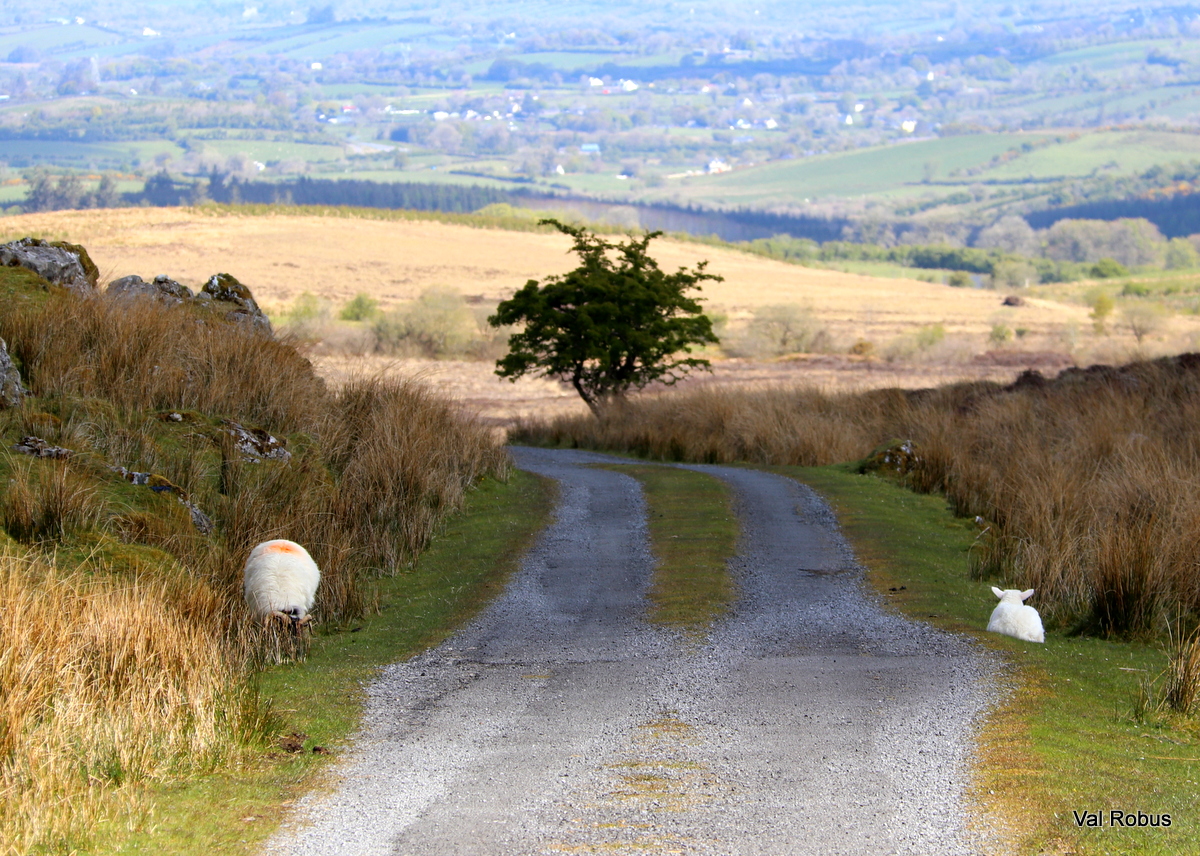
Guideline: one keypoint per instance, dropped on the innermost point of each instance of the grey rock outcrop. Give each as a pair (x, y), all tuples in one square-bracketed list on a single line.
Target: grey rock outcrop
[(161, 288), (226, 289), (256, 444), (12, 391), (39, 448), (57, 263)]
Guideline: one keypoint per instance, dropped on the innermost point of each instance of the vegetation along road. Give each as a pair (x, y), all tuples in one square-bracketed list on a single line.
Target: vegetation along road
[(802, 720)]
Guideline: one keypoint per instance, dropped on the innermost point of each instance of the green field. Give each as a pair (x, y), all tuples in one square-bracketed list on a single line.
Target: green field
[(880, 170), (1122, 152), (85, 155), (60, 39), (1119, 55), (322, 43), (267, 151)]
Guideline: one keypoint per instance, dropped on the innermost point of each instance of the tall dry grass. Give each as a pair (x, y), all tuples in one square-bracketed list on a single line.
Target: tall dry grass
[(1089, 483), (106, 683), (375, 468), (125, 651)]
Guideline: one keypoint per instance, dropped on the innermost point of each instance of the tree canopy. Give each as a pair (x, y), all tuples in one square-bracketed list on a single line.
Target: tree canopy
[(615, 323)]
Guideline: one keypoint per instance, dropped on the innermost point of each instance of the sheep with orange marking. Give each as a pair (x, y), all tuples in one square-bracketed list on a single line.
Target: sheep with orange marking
[(280, 581)]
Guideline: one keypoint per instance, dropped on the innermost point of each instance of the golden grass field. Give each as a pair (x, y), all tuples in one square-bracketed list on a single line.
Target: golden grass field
[(280, 256)]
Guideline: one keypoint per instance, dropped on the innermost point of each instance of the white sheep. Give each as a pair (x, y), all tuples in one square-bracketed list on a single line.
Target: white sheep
[(280, 580), (1013, 618)]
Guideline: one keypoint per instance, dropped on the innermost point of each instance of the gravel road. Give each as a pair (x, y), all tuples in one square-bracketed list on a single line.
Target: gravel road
[(559, 721)]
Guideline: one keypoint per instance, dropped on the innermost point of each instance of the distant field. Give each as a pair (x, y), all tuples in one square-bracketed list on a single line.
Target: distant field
[(349, 37), (899, 170), (564, 60), (867, 171), (894, 173), (267, 150), (1123, 54), (1122, 152), (85, 155), (58, 38)]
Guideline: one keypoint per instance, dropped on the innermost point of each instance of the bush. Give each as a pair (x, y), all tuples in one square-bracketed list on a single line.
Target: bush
[(782, 329), (1181, 254), (959, 279), (437, 324), (1108, 269), (361, 307), (915, 343), (1014, 274), (1102, 305)]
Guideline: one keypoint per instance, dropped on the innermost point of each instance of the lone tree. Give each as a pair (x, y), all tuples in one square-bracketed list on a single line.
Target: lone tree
[(610, 325)]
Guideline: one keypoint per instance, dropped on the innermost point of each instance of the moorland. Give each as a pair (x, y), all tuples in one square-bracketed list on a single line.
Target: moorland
[(933, 222)]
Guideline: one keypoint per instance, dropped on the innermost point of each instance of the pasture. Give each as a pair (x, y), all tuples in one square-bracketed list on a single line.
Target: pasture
[(878, 170)]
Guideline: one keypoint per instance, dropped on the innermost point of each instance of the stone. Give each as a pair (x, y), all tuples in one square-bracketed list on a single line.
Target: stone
[(59, 263), (224, 287), (40, 448), (162, 288), (161, 484), (256, 444), (12, 391)]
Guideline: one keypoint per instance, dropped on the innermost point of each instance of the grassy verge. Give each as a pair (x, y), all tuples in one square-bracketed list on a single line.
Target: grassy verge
[(693, 533), (233, 811), (1066, 738)]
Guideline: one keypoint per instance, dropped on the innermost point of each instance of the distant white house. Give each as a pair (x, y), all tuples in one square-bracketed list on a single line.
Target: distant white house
[(717, 165)]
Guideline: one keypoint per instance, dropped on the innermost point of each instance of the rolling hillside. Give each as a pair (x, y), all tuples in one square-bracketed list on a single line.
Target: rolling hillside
[(282, 256)]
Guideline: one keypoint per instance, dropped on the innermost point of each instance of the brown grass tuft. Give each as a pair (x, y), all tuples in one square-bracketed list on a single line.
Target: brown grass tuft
[(107, 682)]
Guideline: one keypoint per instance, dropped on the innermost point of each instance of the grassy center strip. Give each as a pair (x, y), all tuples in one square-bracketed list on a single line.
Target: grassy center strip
[(319, 701), (1068, 737), (693, 534)]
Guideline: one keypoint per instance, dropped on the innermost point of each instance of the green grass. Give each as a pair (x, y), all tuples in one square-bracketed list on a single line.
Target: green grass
[(1065, 737), (693, 534), (233, 811)]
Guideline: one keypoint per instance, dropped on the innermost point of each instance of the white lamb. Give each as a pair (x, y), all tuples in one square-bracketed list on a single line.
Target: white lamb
[(1013, 618), (280, 580)]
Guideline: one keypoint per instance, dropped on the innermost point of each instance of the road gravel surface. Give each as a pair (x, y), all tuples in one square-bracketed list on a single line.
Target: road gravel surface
[(808, 721)]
